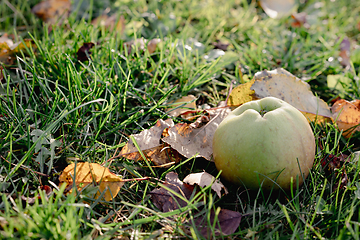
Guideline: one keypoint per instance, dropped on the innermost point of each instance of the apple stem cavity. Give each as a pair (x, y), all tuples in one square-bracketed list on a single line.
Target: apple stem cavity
[(263, 112)]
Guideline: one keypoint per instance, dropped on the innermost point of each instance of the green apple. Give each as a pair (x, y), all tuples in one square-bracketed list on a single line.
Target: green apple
[(263, 142)]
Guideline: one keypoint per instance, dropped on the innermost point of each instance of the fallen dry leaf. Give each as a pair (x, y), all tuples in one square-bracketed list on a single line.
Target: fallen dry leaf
[(52, 11), (141, 44), (344, 55), (164, 200), (83, 54), (347, 116), (9, 50), (111, 23), (92, 173), (9, 42), (190, 140), (182, 105), (204, 179), (281, 84), (334, 165), (152, 45), (221, 45), (228, 220), (31, 200), (278, 8), (300, 19), (241, 94), (149, 142), (2, 79)]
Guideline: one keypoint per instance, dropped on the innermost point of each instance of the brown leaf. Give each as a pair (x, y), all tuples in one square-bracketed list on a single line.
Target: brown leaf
[(92, 173), (281, 84), (2, 79), (164, 200), (334, 165), (189, 140), (52, 11), (345, 52), (228, 220), (204, 179), (300, 19), (221, 45), (149, 142), (31, 200), (111, 23), (152, 45), (182, 105), (141, 43), (84, 52), (347, 116)]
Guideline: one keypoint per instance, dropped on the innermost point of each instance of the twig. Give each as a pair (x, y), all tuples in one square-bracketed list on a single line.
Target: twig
[(26, 168)]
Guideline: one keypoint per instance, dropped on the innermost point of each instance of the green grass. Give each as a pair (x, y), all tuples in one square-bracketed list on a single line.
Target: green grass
[(88, 110)]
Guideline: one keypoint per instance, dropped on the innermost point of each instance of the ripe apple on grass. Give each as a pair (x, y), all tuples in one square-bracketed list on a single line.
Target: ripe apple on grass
[(262, 142)]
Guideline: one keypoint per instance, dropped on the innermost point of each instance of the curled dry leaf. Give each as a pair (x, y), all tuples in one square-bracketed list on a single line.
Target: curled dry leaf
[(182, 105), (112, 23), (9, 50), (85, 173), (166, 201), (228, 220), (190, 140), (83, 54), (278, 8), (204, 179), (149, 142), (281, 84), (347, 116), (52, 11)]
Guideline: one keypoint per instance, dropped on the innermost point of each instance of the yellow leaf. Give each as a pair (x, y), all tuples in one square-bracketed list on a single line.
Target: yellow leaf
[(311, 117), (241, 94), (9, 49), (92, 173)]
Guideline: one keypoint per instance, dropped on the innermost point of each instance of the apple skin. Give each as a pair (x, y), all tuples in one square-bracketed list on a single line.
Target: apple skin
[(266, 137)]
